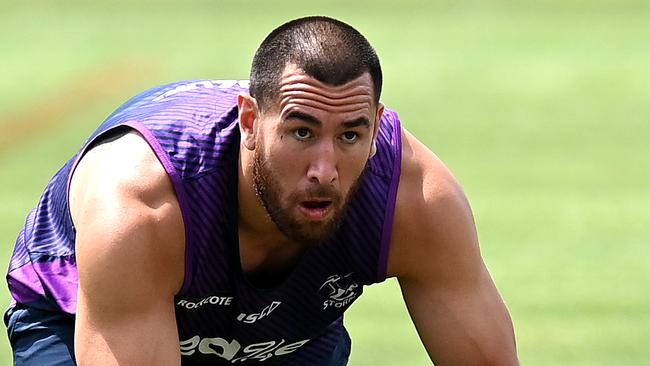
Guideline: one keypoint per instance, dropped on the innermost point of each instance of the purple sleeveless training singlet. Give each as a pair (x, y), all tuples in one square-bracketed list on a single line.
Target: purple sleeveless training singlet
[(192, 126)]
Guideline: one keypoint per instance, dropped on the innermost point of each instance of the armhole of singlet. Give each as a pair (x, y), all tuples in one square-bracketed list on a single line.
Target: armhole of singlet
[(162, 155), (389, 216), (112, 133)]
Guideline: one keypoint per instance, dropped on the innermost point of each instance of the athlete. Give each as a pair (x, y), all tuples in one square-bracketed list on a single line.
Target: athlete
[(225, 222)]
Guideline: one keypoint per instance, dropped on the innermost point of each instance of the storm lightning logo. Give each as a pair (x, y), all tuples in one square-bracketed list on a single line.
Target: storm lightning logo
[(340, 291)]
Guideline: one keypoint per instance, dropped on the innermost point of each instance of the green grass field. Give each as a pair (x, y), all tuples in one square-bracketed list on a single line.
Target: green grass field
[(541, 108)]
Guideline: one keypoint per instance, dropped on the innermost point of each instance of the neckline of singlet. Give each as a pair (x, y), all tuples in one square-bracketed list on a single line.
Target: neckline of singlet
[(233, 241)]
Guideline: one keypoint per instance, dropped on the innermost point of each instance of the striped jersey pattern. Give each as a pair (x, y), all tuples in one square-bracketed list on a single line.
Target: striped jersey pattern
[(222, 318)]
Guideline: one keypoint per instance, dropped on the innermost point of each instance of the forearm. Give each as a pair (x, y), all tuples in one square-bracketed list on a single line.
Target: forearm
[(463, 328)]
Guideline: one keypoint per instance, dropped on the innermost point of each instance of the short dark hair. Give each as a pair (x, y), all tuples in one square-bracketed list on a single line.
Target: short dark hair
[(327, 49)]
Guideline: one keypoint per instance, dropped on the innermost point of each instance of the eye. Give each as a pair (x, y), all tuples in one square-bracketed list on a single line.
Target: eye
[(350, 137), (302, 133)]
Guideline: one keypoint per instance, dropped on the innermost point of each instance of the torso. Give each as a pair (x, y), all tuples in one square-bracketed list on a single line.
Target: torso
[(229, 310)]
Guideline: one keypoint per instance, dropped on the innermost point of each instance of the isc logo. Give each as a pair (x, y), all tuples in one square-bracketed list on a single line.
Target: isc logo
[(252, 318)]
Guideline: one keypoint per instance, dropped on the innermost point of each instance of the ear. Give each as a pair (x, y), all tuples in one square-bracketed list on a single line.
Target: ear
[(248, 115), (380, 112)]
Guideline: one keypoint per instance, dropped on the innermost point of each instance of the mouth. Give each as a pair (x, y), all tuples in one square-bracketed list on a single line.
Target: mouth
[(315, 209)]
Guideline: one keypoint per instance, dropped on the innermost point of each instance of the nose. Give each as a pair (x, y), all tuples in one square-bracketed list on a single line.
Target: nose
[(323, 168)]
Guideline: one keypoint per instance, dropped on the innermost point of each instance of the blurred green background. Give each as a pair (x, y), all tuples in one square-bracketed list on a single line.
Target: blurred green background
[(541, 109)]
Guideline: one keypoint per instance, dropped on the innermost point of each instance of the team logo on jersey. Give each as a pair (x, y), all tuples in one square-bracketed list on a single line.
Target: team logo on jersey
[(339, 290), (252, 318)]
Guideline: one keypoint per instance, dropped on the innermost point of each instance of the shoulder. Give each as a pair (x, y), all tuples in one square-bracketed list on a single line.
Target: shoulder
[(424, 175), (123, 206), (123, 166), (433, 218)]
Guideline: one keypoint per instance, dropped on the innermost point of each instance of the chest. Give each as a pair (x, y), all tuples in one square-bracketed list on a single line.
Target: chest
[(230, 321), (223, 319)]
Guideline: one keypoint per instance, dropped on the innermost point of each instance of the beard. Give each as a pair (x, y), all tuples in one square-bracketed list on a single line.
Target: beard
[(268, 188)]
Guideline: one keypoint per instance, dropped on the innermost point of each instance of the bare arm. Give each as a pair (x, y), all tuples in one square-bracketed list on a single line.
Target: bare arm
[(130, 246), (454, 304)]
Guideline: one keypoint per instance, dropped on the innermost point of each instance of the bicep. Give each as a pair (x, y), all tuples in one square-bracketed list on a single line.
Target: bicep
[(123, 315), (127, 251)]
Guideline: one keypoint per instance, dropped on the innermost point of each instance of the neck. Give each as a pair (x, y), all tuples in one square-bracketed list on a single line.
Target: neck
[(253, 218), (262, 245)]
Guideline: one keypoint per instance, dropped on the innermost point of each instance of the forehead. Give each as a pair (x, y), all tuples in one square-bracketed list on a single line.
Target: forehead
[(301, 92)]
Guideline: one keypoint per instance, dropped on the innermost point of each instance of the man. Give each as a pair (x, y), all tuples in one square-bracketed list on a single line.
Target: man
[(241, 226)]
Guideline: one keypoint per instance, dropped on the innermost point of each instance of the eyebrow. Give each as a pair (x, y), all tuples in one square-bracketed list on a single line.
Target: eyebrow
[(303, 117), (361, 121)]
